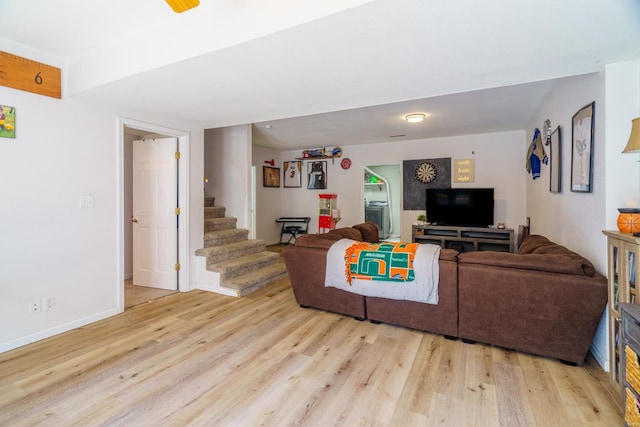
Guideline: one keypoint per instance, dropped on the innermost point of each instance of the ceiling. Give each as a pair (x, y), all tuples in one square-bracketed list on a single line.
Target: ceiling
[(324, 74), (491, 110)]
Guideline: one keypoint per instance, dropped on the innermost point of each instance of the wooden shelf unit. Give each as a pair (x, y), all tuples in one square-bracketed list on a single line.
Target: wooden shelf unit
[(622, 274), (465, 239)]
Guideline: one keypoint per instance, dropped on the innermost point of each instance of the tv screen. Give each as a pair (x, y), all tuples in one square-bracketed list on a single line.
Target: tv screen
[(469, 207)]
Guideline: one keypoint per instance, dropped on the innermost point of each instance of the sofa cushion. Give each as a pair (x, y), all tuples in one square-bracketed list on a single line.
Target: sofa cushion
[(538, 262), (587, 267), (532, 242), (369, 231), (449, 255), (540, 245)]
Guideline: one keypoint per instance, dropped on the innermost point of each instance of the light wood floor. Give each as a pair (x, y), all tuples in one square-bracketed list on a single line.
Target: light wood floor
[(198, 358), (134, 295)]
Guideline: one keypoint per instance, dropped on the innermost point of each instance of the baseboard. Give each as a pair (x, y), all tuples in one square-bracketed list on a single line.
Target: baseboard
[(215, 289), (48, 333), (603, 360)]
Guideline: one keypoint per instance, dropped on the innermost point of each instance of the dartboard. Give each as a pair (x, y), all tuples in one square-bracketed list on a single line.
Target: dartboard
[(426, 172)]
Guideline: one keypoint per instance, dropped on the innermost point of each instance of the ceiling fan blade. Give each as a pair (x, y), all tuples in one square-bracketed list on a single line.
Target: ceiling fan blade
[(180, 6)]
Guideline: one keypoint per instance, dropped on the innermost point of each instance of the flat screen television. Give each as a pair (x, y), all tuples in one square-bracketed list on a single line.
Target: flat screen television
[(469, 207)]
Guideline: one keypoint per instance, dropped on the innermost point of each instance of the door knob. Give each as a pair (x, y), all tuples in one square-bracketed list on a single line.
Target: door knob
[(134, 220)]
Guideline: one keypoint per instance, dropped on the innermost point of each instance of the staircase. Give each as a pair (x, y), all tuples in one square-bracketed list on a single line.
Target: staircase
[(240, 265)]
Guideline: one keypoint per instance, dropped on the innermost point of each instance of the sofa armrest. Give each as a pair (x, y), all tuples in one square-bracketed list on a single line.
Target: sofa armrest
[(539, 312), (306, 267)]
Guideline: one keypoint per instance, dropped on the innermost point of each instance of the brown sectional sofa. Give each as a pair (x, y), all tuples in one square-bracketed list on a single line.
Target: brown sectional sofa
[(306, 262), (545, 300)]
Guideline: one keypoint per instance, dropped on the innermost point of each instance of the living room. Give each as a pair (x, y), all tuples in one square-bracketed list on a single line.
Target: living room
[(69, 148), (500, 160)]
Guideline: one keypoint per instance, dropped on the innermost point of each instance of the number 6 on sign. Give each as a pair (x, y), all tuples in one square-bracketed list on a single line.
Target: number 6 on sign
[(31, 76)]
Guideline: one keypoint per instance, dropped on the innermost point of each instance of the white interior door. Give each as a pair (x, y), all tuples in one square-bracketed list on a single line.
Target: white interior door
[(155, 225)]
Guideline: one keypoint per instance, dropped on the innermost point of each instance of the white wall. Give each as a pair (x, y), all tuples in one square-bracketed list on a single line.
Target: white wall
[(268, 199), (622, 83), (574, 220), (49, 246), (227, 165), (499, 162)]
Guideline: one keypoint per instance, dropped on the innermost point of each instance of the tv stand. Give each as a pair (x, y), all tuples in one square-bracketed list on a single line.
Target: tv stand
[(465, 239)]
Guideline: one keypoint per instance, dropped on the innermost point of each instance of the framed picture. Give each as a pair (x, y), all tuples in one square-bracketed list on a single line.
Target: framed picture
[(317, 172), (582, 149), (292, 174), (464, 170), (270, 177), (555, 161), (7, 121)]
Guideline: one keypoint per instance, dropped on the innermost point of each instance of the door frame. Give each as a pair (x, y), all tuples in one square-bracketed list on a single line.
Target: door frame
[(395, 190), (183, 201)]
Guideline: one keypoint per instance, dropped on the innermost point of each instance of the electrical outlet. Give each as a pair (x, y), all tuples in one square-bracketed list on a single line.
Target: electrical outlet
[(48, 303), (34, 307)]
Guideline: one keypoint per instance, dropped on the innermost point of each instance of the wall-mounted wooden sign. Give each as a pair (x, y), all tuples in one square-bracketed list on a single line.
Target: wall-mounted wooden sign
[(464, 170), (31, 76)]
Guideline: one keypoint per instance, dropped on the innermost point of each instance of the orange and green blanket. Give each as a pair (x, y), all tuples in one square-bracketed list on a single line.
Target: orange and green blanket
[(388, 261), (425, 266)]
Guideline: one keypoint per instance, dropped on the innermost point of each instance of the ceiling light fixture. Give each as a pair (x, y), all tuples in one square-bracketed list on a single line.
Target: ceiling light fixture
[(180, 6), (414, 117)]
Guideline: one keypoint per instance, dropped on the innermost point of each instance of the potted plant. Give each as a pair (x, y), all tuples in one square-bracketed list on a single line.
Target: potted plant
[(422, 219)]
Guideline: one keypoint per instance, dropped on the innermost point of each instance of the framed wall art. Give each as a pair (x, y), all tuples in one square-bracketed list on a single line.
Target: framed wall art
[(555, 161), (7, 122), (270, 177), (292, 174), (317, 172), (464, 171), (582, 149)]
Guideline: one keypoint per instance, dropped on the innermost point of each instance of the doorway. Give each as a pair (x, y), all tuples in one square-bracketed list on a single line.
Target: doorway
[(131, 130), (155, 212), (382, 202)]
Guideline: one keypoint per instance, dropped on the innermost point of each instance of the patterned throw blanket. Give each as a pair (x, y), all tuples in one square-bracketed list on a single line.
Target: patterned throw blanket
[(422, 262), (380, 261)]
